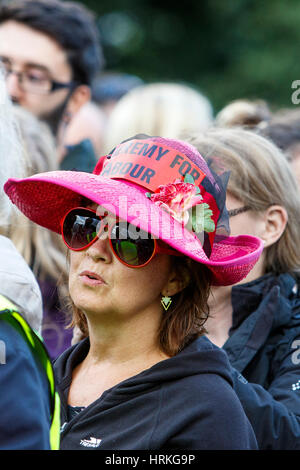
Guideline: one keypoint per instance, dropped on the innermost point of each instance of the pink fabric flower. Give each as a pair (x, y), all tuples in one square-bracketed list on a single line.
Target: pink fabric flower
[(177, 198)]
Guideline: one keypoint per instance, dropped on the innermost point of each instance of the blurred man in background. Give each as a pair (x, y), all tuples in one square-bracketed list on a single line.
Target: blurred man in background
[(51, 52)]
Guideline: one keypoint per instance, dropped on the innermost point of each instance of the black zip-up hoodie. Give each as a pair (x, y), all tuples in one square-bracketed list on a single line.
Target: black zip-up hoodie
[(264, 346), (185, 402)]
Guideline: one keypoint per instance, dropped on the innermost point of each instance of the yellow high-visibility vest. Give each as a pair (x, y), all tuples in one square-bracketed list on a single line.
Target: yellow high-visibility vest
[(9, 313)]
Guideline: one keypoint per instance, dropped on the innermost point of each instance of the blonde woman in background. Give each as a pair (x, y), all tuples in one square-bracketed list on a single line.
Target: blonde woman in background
[(168, 109), (17, 281), (257, 322), (41, 249)]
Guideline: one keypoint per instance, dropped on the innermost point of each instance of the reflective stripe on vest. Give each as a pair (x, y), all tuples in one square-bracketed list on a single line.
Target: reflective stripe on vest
[(9, 313)]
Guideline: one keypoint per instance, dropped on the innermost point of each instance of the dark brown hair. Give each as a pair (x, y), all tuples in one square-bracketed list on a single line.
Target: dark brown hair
[(184, 321)]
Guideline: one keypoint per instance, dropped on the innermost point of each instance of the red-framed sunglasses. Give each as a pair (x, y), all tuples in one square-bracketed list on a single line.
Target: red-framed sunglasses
[(135, 248)]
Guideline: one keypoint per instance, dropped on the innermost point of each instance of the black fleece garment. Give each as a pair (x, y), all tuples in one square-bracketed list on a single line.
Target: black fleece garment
[(185, 402), (264, 351)]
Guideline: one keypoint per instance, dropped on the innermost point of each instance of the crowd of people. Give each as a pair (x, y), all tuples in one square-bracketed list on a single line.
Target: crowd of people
[(150, 269)]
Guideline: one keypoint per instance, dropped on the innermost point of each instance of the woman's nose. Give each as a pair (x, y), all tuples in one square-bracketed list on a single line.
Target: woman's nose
[(100, 249)]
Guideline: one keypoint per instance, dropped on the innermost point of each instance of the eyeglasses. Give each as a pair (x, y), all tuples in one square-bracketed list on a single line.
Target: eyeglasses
[(34, 80), (238, 210), (134, 247)]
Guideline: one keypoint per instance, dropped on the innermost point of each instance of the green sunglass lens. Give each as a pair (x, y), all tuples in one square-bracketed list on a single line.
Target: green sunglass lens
[(127, 251), (134, 247)]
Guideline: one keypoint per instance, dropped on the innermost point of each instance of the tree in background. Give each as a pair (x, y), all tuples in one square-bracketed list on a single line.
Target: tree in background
[(229, 50)]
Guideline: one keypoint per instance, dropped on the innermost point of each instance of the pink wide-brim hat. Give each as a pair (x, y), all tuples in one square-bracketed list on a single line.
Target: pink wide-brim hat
[(45, 198)]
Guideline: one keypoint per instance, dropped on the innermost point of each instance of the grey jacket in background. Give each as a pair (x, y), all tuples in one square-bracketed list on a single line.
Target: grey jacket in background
[(18, 284)]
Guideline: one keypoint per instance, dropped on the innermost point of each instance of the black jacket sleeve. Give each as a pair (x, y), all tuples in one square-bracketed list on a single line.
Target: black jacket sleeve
[(272, 412)]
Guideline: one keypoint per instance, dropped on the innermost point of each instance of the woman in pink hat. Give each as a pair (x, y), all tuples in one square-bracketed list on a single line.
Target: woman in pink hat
[(257, 321), (147, 234)]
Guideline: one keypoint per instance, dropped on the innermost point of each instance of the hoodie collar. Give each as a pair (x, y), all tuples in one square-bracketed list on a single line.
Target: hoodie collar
[(199, 356), (246, 298)]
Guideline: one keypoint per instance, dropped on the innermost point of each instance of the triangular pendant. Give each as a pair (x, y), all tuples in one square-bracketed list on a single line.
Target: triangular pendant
[(166, 302)]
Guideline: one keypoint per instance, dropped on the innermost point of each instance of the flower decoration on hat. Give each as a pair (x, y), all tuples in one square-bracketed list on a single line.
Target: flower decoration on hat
[(182, 199)]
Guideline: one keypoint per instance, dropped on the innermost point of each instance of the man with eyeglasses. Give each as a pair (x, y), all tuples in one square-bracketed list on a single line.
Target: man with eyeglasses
[(50, 51)]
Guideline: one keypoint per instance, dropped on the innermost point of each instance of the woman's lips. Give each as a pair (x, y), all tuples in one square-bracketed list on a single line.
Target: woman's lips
[(91, 278)]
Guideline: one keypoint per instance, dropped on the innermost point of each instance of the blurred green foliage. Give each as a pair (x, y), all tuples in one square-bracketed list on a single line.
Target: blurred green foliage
[(228, 49)]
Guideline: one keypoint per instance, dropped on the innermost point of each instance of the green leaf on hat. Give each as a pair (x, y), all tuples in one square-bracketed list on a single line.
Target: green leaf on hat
[(201, 219), (189, 179)]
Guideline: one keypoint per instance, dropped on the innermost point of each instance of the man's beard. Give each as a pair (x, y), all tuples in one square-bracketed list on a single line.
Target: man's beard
[(54, 118)]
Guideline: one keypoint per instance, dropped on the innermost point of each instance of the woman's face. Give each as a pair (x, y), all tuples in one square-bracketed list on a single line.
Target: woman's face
[(100, 284)]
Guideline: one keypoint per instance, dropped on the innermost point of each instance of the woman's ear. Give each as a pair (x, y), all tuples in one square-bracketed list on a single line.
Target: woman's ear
[(176, 283), (275, 222)]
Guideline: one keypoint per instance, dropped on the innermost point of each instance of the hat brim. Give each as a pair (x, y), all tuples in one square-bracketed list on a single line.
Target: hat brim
[(46, 197)]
